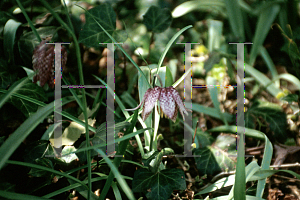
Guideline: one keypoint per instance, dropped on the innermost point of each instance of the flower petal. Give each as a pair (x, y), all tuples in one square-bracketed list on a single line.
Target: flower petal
[(150, 97), (178, 101), (168, 104)]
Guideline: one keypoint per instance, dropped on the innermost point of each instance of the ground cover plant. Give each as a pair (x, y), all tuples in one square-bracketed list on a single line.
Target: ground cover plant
[(258, 160)]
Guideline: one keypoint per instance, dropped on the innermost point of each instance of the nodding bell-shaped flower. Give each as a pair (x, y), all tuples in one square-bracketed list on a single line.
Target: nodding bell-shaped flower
[(169, 102)]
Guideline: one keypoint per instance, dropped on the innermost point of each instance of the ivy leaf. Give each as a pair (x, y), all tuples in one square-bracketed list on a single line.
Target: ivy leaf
[(92, 34), (291, 98), (30, 90), (36, 150), (212, 160), (28, 42), (39, 172), (269, 115), (100, 138), (157, 20), (160, 185)]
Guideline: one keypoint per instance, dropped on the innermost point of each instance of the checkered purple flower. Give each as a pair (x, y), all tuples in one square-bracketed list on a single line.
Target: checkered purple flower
[(43, 62), (169, 102)]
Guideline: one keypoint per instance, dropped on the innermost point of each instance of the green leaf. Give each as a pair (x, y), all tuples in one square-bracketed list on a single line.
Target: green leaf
[(190, 6), (9, 34), (39, 172), (204, 138), (158, 186), (265, 20), (30, 90), (7, 75), (91, 34), (37, 149), (212, 160), (235, 18), (69, 157), (269, 115), (291, 98), (157, 20), (100, 138), (226, 142), (17, 137), (4, 17), (13, 195), (29, 41), (153, 158), (214, 58), (213, 112)]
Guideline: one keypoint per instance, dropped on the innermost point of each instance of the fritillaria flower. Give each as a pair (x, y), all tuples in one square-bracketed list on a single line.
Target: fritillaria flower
[(169, 102), (43, 62)]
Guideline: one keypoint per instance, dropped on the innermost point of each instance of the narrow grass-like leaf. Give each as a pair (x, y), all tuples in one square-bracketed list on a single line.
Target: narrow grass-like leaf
[(181, 78), (263, 80), (72, 186), (162, 57), (63, 113), (266, 18), (9, 35), (265, 55), (13, 89), (114, 171), (122, 107), (116, 190), (111, 142), (214, 96), (190, 6), (15, 139), (46, 169), (232, 129), (213, 112), (235, 18), (265, 165), (251, 169), (291, 78), (17, 196)]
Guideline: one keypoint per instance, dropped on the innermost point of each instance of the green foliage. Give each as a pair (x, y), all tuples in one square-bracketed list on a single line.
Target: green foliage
[(84, 136), (91, 34), (211, 160), (157, 20), (30, 90), (269, 115), (158, 185), (7, 75)]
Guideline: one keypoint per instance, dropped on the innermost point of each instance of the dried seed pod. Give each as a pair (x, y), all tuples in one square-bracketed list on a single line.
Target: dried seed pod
[(43, 62)]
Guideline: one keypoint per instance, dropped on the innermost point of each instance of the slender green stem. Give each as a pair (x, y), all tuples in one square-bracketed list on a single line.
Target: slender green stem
[(29, 21), (78, 55)]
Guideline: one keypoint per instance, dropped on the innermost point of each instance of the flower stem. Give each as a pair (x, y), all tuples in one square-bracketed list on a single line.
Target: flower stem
[(160, 81)]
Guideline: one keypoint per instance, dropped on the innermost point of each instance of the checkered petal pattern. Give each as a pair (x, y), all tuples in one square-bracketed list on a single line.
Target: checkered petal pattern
[(149, 99), (43, 62)]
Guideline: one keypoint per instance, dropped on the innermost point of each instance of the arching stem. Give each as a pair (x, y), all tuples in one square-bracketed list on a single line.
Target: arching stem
[(160, 81)]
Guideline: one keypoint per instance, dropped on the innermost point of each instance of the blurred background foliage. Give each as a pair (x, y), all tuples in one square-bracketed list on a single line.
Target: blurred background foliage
[(145, 27)]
